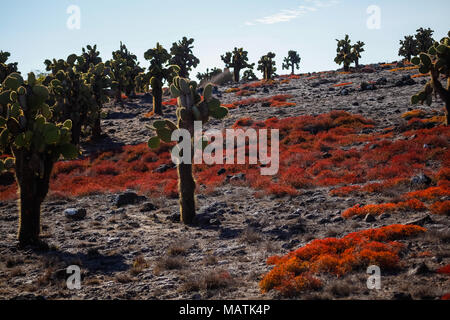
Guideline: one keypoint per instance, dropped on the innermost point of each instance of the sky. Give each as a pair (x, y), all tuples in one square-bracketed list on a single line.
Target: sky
[(33, 31)]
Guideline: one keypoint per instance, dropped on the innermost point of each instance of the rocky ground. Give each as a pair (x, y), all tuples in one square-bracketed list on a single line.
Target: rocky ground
[(137, 249)]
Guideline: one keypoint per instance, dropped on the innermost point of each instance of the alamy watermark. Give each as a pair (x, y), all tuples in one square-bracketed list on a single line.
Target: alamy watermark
[(74, 280), (374, 281), (234, 141), (374, 19), (74, 20)]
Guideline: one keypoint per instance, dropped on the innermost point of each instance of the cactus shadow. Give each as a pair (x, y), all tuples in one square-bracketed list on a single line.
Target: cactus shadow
[(93, 262)]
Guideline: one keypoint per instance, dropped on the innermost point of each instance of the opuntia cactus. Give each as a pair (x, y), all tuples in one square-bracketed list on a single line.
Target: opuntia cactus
[(357, 49), (208, 74), (249, 75), (118, 75), (292, 61), (183, 56), (124, 69), (237, 60), (142, 82), (345, 55), (191, 107), (73, 96), (91, 57), (33, 142), (97, 77), (436, 62), (159, 71), (408, 48), (6, 69), (267, 66), (424, 38)]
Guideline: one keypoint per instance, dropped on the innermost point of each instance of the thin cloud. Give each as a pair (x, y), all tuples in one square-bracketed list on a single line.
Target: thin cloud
[(288, 15)]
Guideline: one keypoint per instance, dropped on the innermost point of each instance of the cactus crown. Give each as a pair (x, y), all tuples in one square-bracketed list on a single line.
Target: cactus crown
[(344, 51), (358, 48), (435, 61), (292, 61), (267, 65), (27, 124), (6, 69), (183, 56), (159, 70), (236, 59), (191, 107), (408, 47)]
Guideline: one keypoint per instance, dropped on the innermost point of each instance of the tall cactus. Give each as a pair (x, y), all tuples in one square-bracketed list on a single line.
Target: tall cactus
[(237, 60), (159, 71), (424, 38), (142, 82), (97, 77), (131, 70), (183, 56), (6, 69), (267, 66), (119, 80), (191, 107), (345, 55), (90, 56), (73, 96), (209, 74), (408, 48), (437, 63), (33, 141), (124, 69), (357, 49), (292, 61)]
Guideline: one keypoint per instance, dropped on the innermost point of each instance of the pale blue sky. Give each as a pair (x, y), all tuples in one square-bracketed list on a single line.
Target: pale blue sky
[(36, 30)]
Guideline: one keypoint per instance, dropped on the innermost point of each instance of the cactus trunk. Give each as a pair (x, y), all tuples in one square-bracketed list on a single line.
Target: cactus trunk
[(97, 129), (33, 190), (186, 188), (236, 75), (157, 100), (186, 182), (346, 67), (76, 132)]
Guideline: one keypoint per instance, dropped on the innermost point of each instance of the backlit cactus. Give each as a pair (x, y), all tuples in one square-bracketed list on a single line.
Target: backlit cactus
[(249, 75), (436, 62), (237, 60), (142, 82), (159, 71), (6, 68), (91, 57), (131, 70), (208, 74), (413, 45), (345, 55), (183, 56), (267, 66), (357, 49), (408, 48), (32, 141), (98, 79), (191, 107), (124, 69), (292, 61), (73, 96), (96, 75), (424, 38)]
